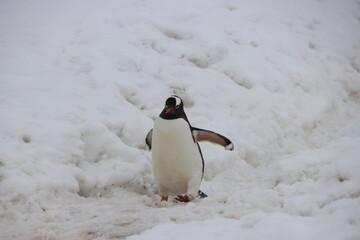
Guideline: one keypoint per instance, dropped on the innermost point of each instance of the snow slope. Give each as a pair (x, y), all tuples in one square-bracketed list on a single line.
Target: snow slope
[(81, 82)]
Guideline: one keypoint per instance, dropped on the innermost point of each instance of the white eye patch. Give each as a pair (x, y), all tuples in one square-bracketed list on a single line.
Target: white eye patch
[(178, 101)]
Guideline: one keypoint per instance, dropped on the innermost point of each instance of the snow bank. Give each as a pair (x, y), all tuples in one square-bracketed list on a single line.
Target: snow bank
[(307, 195), (81, 83), (254, 226)]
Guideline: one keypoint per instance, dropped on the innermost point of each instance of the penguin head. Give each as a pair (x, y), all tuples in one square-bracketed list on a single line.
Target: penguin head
[(174, 108)]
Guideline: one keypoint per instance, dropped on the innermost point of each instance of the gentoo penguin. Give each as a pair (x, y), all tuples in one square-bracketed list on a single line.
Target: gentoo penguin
[(177, 160)]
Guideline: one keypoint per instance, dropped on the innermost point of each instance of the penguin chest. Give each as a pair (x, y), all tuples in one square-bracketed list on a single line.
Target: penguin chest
[(176, 156)]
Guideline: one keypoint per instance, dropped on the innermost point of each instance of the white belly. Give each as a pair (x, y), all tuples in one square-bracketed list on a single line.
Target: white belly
[(177, 162)]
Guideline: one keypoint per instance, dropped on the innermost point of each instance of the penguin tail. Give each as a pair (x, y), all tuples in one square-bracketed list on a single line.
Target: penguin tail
[(201, 194)]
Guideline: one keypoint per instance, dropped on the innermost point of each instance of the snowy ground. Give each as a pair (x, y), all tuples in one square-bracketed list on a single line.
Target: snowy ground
[(81, 82)]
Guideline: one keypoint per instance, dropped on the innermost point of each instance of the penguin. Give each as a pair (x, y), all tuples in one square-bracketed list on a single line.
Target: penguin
[(178, 163)]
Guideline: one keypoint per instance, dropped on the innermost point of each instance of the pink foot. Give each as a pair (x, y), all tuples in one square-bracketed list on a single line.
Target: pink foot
[(185, 198), (164, 198)]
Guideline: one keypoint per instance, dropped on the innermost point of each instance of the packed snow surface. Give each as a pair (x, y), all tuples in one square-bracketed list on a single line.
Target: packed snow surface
[(82, 81)]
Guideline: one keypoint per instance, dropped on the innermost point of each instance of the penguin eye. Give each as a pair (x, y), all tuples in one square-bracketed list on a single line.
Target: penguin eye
[(175, 101)]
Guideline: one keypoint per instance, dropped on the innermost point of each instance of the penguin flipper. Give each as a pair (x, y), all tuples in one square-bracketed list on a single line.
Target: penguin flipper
[(206, 135), (148, 139)]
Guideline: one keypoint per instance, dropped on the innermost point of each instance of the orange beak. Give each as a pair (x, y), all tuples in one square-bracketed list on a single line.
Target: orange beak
[(168, 110)]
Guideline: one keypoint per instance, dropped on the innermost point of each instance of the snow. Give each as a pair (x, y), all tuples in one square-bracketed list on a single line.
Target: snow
[(258, 225), (82, 81)]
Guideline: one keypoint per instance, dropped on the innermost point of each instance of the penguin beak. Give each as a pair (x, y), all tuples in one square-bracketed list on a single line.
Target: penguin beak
[(168, 110)]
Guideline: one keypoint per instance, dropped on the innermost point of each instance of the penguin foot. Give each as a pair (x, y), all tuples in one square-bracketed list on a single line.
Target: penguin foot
[(201, 194), (164, 198), (185, 198)]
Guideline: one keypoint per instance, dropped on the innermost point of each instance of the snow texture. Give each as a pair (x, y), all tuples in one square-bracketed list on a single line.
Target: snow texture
[(82, 81)]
